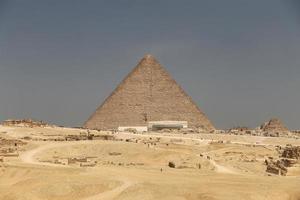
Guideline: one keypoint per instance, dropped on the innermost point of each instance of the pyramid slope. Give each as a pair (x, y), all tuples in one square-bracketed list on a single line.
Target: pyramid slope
[(274, 125), (148, 93)]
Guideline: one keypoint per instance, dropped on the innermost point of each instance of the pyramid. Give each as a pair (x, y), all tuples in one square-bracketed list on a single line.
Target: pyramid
[(274, 125), (148, 93)]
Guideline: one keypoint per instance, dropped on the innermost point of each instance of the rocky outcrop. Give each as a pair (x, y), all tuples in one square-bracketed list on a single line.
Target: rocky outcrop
[(171, 164)]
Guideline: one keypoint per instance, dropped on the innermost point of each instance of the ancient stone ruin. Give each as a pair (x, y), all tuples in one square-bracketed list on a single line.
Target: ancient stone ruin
[(291, 152), (9, 147), (148, 93), (276, 167), (24, 123), (289, 156)]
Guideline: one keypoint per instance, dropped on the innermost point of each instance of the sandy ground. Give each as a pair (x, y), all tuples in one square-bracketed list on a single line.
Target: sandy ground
[(135, 166)]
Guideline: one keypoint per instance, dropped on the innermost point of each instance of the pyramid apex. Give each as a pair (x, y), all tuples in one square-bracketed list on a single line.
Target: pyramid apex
[(149, 59), (148, 56)]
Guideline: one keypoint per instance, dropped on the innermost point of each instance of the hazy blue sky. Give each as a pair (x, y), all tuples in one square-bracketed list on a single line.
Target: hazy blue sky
[(238, 59)]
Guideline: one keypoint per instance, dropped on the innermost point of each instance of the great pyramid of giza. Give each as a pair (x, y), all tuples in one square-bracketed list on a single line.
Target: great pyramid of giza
[(148, 93)]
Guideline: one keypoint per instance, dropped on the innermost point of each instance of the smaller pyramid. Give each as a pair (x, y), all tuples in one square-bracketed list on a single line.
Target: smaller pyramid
[(274, 125)]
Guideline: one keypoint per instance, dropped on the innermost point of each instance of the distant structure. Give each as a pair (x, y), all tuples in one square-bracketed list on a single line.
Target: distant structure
[(24, 123), (148, 93), (274, 125)]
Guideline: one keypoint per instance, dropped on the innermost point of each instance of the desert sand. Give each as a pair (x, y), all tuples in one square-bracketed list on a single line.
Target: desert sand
[(42, 165)]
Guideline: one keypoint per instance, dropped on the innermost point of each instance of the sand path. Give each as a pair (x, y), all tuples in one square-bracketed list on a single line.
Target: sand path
[(218, 168), (29, 157), (222, 169), (111, 194)]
